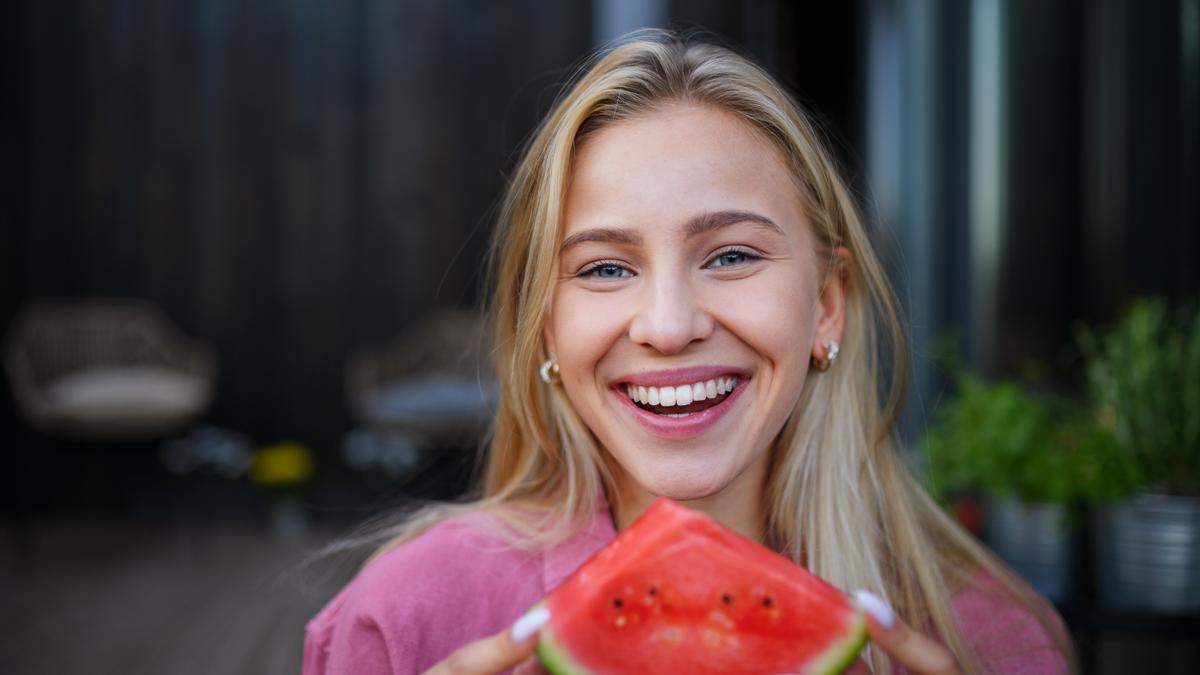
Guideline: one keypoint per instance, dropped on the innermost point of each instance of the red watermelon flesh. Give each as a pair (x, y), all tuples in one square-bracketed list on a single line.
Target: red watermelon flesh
[(677, 592)]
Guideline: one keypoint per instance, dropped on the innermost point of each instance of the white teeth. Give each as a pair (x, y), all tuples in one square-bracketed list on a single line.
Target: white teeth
[(682, 394)]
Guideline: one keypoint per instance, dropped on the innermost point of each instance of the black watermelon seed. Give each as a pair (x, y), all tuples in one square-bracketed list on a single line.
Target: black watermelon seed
[(726, 598), (617, 603), (653, 590), (767, 601)]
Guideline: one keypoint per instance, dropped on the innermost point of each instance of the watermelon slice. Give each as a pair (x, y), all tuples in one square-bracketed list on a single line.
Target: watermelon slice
[(676, 592)]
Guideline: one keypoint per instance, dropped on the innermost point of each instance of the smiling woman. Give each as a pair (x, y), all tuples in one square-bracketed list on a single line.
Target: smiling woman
[(679, 261)]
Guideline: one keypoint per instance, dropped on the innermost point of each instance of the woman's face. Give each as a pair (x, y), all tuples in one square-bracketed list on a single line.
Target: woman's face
[(688, 300)]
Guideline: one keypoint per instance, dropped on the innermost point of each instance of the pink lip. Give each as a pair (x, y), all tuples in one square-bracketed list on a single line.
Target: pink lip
[(677, 428), (678, 376)]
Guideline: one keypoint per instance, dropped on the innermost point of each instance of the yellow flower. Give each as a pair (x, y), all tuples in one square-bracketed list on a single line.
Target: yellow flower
[(282, 464)]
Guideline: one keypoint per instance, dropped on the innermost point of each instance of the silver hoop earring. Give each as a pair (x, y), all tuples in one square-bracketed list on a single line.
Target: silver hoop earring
[(549, 371), (831, 354)]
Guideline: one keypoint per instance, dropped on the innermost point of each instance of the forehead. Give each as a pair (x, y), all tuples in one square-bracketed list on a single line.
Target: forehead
[(661, 167)]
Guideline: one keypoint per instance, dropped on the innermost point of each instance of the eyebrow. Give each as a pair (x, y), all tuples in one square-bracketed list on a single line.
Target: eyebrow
[(715, 220), (695, 226), (601, 234)]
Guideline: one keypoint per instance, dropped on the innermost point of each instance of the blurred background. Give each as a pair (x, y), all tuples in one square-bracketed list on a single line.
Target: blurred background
[(242, 263)]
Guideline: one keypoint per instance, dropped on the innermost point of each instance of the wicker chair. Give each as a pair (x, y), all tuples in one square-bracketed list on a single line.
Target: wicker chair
[(434, 382), (106, 370)]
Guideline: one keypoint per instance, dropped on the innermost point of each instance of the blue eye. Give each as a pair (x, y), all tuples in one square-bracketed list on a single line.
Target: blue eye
[(732, 257), (605, 270)]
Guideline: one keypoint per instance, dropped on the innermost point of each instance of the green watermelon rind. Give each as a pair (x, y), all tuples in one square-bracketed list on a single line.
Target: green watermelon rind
[(836, 659), (555, 659), (840, 655)]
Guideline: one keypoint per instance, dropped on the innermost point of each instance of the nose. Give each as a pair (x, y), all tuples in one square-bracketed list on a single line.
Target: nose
[(670, 315)]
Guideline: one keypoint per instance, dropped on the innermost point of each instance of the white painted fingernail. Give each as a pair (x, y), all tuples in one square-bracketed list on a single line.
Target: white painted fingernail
[(529, 624), (876, 607)]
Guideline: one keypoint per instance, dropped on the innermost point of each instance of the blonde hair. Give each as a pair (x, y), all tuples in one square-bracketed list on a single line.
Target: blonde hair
[(839, 498)]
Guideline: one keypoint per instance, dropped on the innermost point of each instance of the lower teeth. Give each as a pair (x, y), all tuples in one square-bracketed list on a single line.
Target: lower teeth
[(678, 414)]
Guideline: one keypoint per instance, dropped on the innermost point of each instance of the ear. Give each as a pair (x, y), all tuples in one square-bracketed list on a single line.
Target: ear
[(831, 303)]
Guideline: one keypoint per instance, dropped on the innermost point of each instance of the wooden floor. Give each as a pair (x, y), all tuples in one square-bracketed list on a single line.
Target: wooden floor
[(107, 597)]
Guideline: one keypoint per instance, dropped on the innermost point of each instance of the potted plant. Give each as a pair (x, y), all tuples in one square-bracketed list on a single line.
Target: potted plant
[(1031, 457), (1144, 377)]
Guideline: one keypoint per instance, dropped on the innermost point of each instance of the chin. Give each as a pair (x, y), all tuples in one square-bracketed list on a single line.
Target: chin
[(681, 487)]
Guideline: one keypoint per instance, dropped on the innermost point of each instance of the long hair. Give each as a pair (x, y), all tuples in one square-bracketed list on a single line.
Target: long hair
[(840, 499)]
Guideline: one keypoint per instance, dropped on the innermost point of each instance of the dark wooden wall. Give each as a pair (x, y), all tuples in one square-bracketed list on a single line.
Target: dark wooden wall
[(288, 179)]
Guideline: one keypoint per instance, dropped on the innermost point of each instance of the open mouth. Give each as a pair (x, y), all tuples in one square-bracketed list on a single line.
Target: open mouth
[(683, 400)]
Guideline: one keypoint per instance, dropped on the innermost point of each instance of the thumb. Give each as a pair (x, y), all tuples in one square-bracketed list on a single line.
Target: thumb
[(498, 652)]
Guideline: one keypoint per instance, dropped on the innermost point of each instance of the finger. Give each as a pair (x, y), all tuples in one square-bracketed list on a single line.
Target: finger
[(498, 652), (913, 650)]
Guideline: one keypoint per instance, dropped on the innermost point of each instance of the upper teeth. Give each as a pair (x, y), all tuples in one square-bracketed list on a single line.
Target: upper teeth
[(683, 394)]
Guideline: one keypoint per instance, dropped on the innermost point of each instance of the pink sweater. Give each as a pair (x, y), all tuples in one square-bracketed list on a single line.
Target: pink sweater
[(456, 583)]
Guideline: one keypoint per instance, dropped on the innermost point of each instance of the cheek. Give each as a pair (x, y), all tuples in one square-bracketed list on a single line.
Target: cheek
[(774, 314), (586, 324)]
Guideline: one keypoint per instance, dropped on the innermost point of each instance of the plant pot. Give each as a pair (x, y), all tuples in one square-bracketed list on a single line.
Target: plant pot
[(1148, 553), (1036, 540)]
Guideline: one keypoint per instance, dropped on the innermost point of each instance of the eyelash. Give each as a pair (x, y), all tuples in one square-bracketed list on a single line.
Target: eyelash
[(749, 256), (590, 271)]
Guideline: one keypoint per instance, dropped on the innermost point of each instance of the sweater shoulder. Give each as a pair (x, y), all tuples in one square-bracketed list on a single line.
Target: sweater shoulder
[(459, 581), (1008, 635)]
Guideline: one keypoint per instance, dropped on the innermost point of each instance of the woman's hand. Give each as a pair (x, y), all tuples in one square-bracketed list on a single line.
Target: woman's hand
[(504, 650), (916, 652)]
